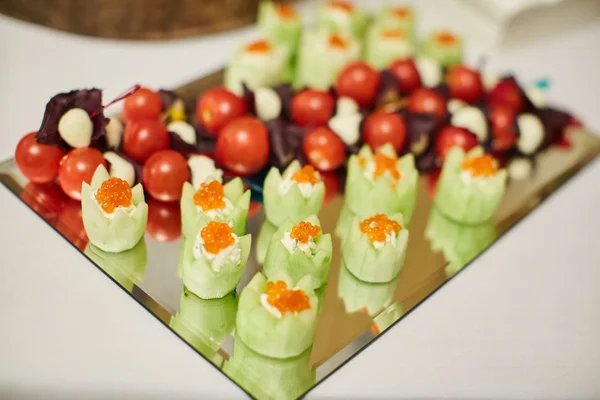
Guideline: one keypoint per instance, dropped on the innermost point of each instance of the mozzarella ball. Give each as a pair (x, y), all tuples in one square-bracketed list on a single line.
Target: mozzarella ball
[(520, 168), (531, 133), (471, 118), (346, 105), (114, 133), (120, 168), (347, 127), (185, 131), (201, 168), (429, 71), (76, 128), (267, 104)]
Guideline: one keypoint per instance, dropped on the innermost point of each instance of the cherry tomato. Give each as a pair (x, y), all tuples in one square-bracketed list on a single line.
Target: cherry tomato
[(359, 82), (254, 208), (506, 93), (142, 104), (427, 101), (432, 182), (217, 107), (164, 174), (164, 221), (38, 162), (324, 149), (144, 137), (502, 119), (464, 84), (78, 166), (70, 224), (451, 136), (332, 186), (382, 127), (407, 74), (312, 107), (243, 146), (46, 199)]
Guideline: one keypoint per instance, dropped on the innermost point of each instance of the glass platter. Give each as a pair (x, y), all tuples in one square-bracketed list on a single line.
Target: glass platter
[(353, 312)]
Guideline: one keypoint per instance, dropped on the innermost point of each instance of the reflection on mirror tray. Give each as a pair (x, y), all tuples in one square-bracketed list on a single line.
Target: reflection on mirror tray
[(280, 333)]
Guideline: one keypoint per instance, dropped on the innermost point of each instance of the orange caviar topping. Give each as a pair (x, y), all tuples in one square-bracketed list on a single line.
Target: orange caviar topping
[(337, 41), (342, 5), (385, 164), (285, 11), (484, 165), (260, 46), (305, 231), (401, 12), (378, 226), (445, 38), (285, 299), (392, 34), (114, 192), (216, 236), (362, 161), (306, 175), (210, 196)]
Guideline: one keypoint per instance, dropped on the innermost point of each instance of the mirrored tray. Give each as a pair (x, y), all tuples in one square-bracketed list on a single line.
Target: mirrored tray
[(353, 312)]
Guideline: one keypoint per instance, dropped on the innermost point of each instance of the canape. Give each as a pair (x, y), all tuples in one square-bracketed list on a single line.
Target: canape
[(402, 18), (471, 186), (444, 47), (341, 17), (213, 260), (363, 296), (300, 249), (114, 214), (277, 318), (280, 24), (384, 45)]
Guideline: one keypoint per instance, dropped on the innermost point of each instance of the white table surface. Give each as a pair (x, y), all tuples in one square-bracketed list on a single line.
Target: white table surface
[(521, 322)]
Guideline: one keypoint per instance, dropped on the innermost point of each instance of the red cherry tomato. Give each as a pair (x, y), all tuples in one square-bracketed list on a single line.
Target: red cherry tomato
[(142, 104), (464, 84), (164, 174), (359, 82), (38, 162), (407, 74), (78, 166), (164, 221), (451, 136), (144, 137), (45, 199), (382, 127), (70, 224), (217, 107), (502, 119), (312, 107), (324, 149), (506, 93), (332, 186), (432, 182), (243, 146), (254, 208), (427, 101)]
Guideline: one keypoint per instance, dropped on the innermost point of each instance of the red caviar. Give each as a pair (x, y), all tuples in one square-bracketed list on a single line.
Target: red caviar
[(210, 196), (342, 5), (285, 11), (392, 34), (446, 38), (378, 226), (385, 164), (217, 236), (401, 12), (260, 46), (114, 192), (337, 41), (305, 231), (285, 299), (484, 165), (306, 175)]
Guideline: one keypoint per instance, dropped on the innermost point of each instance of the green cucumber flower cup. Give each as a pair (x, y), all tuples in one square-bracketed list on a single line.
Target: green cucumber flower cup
[(341, 17), (375, 257), (280, 24), (443, 47), (269, 378), (209, 275), (119, 230), (363, 296), (298, 259), (367, 193), (235, 210), (344, 223), (271, 330), (402, 18), (286, 198), (265, 234), (384, 45), (470, 195)]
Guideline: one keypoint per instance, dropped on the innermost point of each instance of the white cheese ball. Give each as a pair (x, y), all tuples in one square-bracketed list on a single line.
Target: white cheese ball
[(536, 96), (347, 127), (429, 71), (201, 168), (531, 132), (267, 104), (489, 79), (185, 131), (76, 128), (120, 168), (520, 168), (346, 105), (471, 118), (114, 133), (455, 104)]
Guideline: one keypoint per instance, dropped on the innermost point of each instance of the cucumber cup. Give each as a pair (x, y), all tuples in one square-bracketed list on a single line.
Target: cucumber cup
[(236, 214), (341, 17), (287, 254), (402, 18), (444, 47), (385, 44), (269, 331), (363, 296), (280, 24)]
